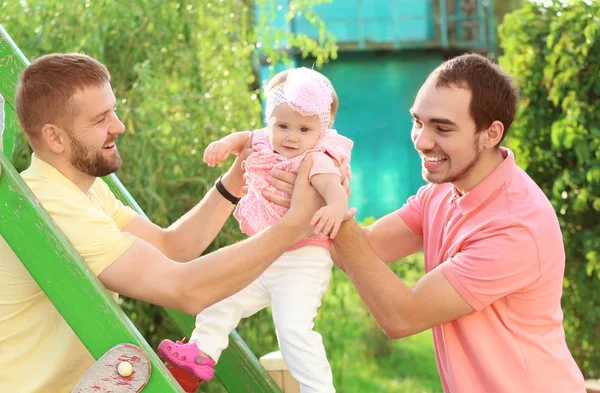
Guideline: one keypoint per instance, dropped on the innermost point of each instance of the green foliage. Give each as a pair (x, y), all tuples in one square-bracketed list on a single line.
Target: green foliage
[(554, 53)]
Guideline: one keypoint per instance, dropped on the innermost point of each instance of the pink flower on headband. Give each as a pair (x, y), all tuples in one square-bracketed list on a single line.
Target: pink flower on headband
[(307, 93)]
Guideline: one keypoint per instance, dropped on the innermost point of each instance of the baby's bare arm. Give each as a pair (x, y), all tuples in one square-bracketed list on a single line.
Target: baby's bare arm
[(330, 187), (328, 219), (237, 140)]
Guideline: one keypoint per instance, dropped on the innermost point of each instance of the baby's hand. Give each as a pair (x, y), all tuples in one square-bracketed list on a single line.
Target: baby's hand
[(217, 152), (327, 220)]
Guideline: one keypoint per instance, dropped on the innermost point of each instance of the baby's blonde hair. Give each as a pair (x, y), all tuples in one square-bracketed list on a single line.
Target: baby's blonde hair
[(282, 77)]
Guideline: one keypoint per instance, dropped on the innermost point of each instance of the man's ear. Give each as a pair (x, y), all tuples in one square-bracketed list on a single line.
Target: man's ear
[(493, 135), (54, 138)]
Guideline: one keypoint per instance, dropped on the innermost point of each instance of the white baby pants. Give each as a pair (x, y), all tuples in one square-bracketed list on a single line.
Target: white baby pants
[(293, 285)]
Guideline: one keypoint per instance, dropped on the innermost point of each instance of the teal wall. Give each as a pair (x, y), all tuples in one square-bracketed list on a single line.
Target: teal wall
[(364, 25), (376, 92), (365, 22)]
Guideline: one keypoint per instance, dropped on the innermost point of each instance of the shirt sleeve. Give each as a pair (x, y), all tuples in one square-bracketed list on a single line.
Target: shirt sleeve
[(95, 235), (259, 140), (412, 211), (323, 164), (121, 214), (493, 265)]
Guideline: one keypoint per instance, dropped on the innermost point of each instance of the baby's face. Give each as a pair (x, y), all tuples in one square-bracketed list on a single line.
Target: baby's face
[(291, 133)]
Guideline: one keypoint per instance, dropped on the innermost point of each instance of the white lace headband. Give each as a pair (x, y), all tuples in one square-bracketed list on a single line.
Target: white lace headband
[(306, 93)]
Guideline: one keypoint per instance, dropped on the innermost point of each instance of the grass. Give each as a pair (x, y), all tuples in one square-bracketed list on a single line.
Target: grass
[(412, 364), (409, 367), (387, 366)]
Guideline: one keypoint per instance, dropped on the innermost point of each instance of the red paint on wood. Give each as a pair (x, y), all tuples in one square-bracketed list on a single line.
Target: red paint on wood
[(104, 377)]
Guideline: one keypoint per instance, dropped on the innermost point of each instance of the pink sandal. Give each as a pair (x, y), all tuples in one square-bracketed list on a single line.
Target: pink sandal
[(187, 357)]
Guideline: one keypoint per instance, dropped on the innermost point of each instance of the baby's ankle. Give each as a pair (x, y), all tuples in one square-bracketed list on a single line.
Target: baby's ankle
[(204, 355)]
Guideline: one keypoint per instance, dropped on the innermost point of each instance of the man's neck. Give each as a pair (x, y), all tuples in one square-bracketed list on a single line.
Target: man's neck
[(485, 166), (83, 181)]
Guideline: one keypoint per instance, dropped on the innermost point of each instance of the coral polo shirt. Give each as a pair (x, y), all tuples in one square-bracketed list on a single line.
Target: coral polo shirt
[(501, 248)]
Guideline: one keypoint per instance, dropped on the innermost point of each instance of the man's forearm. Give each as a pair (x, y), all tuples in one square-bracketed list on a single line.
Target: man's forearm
[(189, 236), (234, 267), (386, 295)]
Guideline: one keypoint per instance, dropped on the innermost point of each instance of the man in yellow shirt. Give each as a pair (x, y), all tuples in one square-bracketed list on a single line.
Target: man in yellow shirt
[(66, 106)]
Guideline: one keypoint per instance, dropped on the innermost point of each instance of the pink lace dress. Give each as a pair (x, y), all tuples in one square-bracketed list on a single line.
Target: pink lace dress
[(256, 213)]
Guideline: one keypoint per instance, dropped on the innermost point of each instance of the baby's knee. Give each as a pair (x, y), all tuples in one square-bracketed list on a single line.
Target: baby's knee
[(297, 332)]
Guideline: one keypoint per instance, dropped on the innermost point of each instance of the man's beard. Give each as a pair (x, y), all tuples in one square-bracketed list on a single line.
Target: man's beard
[(92, 163), (466, 171)]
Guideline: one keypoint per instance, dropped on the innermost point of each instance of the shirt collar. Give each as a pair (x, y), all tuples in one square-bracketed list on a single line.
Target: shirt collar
[(492, 182), (40, 168)]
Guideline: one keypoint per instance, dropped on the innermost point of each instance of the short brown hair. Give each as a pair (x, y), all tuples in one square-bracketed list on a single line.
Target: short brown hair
[(282, 77), (494, 93), (47, 85)]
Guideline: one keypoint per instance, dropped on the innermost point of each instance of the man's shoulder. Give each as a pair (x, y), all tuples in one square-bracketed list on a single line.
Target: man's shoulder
[(28, 175), (525, 215), (526, 198), (44, 189)]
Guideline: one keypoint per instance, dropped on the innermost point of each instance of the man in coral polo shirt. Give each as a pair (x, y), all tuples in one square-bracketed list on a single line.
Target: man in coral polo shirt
[(494, 252)]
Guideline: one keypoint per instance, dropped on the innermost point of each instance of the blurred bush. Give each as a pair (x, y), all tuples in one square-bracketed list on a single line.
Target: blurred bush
[(553, 51)]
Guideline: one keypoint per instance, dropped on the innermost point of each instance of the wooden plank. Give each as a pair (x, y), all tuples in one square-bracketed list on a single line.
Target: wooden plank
[(277, 377), (125, 368), (290, 385), (592, 386), (278, 369)]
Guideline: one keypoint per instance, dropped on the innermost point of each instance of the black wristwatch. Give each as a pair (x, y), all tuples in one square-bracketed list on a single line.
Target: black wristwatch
[(223, 191)]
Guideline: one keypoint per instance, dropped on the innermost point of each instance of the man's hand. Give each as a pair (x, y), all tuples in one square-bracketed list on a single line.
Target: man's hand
[(305, 200), (327, 220), (284, 181), (217, 152), (234, 180)]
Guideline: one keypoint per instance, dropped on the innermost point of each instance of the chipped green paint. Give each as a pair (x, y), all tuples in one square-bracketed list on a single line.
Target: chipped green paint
[(11, 130), (66, 279), (1, 122)]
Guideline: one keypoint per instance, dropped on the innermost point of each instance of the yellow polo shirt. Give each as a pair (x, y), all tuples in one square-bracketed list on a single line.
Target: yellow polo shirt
[(39, 353)]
